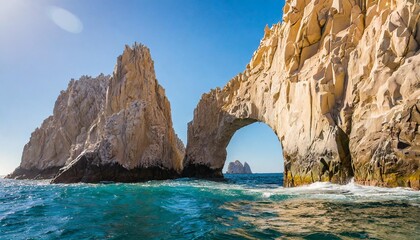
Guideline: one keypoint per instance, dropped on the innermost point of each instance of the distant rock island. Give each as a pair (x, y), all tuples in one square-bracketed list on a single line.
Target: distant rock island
[(236, 167)]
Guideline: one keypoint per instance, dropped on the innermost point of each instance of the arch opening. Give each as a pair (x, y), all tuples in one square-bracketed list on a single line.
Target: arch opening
[(258, 145), (255, 143)]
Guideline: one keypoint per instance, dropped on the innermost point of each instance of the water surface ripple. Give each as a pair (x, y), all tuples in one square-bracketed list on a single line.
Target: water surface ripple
[(242, 207)]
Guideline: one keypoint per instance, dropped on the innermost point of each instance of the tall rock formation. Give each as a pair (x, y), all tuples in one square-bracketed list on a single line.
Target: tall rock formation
[(62, 135), (107, 129), (133, 138), (338, 82), (236, 167)]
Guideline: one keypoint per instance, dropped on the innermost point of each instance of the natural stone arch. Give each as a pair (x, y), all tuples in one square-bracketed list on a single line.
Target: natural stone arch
[(336, 81), (295, 83), (230, 127), (217, 149), (222, 112)]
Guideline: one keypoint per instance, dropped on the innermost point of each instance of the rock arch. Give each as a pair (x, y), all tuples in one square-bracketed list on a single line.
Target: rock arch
[(337, 84), (222, 112), (295, 83)]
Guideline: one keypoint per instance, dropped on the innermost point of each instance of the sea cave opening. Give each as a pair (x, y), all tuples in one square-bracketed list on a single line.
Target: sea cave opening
[(257, 145)]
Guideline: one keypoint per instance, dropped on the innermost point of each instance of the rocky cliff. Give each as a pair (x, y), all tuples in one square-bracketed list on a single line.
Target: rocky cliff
[(108, 129), (236, 167), (61, 136), (338, 82), (133, 138), (382, 104)]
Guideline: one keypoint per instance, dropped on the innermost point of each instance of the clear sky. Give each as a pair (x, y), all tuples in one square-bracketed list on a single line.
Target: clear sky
[(196, 45)]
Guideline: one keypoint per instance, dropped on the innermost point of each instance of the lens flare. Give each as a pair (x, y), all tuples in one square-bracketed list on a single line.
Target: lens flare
[(65, 19)]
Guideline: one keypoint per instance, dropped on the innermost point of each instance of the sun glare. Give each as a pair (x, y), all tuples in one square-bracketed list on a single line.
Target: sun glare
[(65, 19)]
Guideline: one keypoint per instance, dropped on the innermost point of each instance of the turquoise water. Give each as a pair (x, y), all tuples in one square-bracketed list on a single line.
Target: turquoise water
[(243, 207)]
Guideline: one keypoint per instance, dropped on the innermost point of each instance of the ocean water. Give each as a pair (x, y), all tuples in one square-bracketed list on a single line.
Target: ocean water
[(242, 207)]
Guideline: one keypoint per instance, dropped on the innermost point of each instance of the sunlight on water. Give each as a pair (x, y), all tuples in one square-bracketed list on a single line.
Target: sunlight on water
[(242, 207)]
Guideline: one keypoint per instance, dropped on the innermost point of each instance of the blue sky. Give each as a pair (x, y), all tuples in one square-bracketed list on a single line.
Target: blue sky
[(197, 45)]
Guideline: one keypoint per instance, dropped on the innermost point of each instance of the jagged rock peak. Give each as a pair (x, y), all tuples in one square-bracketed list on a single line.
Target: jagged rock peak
[(115, 128), (133, 139), (62, 134)]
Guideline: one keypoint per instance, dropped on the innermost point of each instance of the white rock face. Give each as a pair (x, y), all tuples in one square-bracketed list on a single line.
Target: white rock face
[(133, 138), (338, 82), (61, 136)]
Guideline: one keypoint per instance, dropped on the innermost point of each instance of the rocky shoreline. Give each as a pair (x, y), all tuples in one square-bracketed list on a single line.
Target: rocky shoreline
[(85, 170), (36, 174)]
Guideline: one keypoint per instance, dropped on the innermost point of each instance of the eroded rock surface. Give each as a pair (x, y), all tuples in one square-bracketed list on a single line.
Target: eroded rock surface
[(338, 82), (133, 138), (61, 136), (383, 96), (236, 167), (107, 129)]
